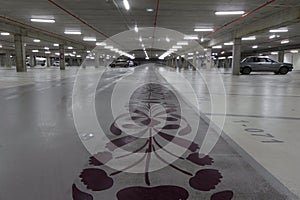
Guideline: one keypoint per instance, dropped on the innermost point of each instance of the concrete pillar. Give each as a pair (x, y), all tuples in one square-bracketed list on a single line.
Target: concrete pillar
[(62, 57), (236, 60), (8, 59), (208, 61), (176, 62), (194, 61), (20, 53), (97, 61), (281, 56), (32, 61), (185, 64), (48, 61)]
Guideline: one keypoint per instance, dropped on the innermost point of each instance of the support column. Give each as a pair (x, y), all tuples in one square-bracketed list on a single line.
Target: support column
[(97, 57), (281, 56), (185, 65), (208, 61), (194, 61), (7, 59), (62, 57), (20, 53), (236, 60), (48, 61), (32, 61)]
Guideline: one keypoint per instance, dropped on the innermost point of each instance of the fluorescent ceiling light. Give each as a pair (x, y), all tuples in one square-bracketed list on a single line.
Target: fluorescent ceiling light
[(1, 46), (203, 29), (101, 44), (190, 54), (70, 47), (182, 43), (222, 58), (73, 32), (285, 41), (46, 48), (35, 51), (108, 47), (230, 12), (274, 53), (150, 9), (168, 39), (191, 37), (5, 33), (43, 20), (57, 54), (279, 31), (126, 4), (47, 52), (56, 45), (176, 47), (254, 47), (249, 38), (272, 36), (136, 29), (294, 51), (217, 47), (228, 43), (89, 39), (36, 40), (140, 39)]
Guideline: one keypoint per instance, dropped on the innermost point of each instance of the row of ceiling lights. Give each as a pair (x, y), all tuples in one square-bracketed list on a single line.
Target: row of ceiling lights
[(251, 38)]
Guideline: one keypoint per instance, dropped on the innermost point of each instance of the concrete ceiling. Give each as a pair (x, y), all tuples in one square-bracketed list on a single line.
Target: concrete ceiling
[(105, 18)]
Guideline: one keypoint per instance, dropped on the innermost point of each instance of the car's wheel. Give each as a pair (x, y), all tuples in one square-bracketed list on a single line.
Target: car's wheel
[(283, 70), (246, 70)]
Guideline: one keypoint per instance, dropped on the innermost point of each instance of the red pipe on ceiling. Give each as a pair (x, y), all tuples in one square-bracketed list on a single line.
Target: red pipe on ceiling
[(156, 13), (78, 18), (243, 16)]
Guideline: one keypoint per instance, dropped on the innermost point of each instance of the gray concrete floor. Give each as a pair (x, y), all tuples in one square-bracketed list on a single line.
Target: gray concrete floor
[(42, 156)]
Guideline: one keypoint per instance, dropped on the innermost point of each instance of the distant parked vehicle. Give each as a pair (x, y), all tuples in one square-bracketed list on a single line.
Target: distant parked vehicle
[(57, 64), (120, 63), (264, 64)]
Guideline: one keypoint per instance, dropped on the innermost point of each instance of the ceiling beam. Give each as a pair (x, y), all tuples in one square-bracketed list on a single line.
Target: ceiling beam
[(276, 20), (15, 27)]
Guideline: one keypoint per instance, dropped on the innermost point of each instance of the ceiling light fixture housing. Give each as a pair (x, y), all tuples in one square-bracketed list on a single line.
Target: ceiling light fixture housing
[(89, 39), (230, 12), (249, 38), (279, 31), (42, 20), (126, 4), (73, 32), (191, 37), (203, 29)]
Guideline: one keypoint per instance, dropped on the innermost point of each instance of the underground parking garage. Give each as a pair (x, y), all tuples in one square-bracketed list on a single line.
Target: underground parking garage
[(149, 100)]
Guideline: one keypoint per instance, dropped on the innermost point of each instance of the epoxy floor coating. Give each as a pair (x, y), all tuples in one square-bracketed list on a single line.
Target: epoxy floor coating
[(42, 156)]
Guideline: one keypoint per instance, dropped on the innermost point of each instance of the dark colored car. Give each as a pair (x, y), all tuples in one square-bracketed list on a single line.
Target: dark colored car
[(264, 64), (120, 63)]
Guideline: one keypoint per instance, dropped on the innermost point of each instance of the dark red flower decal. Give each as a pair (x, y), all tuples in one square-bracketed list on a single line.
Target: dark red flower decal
[(96, 179), (224, 195), (79, 195), (156, 193), (154, 120), (206, 179)]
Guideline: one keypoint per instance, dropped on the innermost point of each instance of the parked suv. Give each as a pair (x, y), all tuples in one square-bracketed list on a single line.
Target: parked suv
[(264, 64)]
